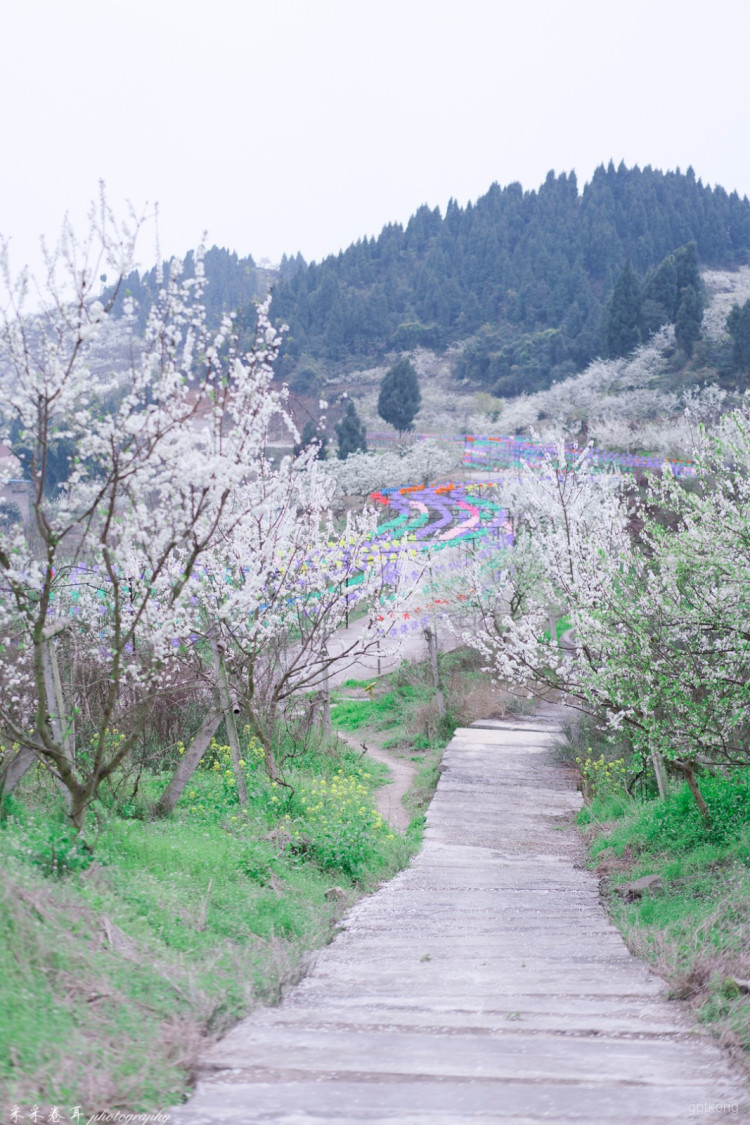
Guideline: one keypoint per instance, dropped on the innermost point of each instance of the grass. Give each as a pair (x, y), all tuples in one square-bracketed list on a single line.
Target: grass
[(117, 966), (694, 928), (403, 706), (402, 715)]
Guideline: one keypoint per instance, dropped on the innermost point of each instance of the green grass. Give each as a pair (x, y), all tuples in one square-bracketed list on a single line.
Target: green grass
[(117, 965), (403, 705), (403, 708), (695, 929), (561, 627)]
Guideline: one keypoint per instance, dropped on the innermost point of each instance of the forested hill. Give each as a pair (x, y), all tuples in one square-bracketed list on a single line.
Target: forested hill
[(233, 283), (523, 277), (521, 280)]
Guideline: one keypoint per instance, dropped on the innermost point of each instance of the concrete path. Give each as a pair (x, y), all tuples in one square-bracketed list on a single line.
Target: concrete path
[(483, 984)]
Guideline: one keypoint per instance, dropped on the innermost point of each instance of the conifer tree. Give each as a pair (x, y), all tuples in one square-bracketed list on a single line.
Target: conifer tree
[(686, 265), (350, 433), (738, 324), (660, 298), (687, 325), (400, 399), (622, 331), (311, 436)]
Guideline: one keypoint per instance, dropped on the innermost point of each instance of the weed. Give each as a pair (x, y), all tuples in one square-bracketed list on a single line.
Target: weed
[(602, 778), (114, 975), (51, 846), (696, 929)]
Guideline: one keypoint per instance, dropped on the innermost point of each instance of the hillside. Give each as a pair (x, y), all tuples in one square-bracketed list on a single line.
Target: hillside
[(508, 298), (635, 403), (521, 279)]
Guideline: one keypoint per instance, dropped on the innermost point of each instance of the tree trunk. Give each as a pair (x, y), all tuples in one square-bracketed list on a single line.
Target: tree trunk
[(188, 765), (432, 649), (326, 695), (688, 773), (17, 768), (56, 708), (228, 710), (662, 780)]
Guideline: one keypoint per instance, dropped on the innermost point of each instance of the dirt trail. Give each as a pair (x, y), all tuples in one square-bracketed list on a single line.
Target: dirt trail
[(389, 797)]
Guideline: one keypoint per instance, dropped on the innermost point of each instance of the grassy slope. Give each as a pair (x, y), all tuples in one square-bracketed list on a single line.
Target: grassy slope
[(695, 929), (114, 973), (403, 717)]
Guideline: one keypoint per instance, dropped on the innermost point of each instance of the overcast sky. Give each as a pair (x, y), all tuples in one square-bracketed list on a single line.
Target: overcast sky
[(304, 124)]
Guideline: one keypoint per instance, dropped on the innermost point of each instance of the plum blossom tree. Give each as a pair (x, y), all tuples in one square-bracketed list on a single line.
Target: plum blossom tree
[(273, 599), (363, 473), (175, 553), (656, 592), (160, 451)]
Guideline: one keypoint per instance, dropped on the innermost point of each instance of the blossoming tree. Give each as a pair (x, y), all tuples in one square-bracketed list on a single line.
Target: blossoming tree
[(101, 574), (655, 588)]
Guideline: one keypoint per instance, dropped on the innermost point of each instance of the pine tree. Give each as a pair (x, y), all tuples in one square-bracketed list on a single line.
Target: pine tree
[(311, 436), (660, 298), (351, 433), (622, 332), (687, 325), (738, 325), (399, 399), (686, 264)]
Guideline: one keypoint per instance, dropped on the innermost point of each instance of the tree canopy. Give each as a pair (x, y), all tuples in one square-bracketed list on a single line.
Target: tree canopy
[(624, 314), (738, 325), (525, 278), (351, 433), (400, 398)]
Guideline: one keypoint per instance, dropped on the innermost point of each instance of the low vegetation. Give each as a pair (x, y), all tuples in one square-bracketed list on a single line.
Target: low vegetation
[(401, 713), (124, 958), (118, 964), (692, 924)]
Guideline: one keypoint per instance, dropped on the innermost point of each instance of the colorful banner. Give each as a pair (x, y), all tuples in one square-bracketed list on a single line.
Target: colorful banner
[(443, 515), (498, 453)]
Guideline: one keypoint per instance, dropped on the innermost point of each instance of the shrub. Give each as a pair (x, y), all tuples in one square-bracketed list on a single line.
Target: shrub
[(54, 848), (335, 824)]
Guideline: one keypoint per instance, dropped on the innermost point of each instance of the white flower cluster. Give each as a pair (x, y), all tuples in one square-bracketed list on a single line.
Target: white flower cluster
[(362, 473), (654, 587), (175, 552)]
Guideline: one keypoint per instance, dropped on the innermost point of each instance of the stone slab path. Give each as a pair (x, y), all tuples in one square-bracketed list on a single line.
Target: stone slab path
[(483, 984)]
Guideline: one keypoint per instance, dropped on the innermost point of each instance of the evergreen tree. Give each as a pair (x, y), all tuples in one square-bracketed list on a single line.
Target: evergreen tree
[(516, 263), (738, 325), (660, 298), (687, 325), (624, 314), (686, 265), (311, 436), (351, 433), (399, 399)]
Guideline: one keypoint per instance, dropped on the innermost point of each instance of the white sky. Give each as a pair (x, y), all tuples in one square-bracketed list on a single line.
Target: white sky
[(305, 124)]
